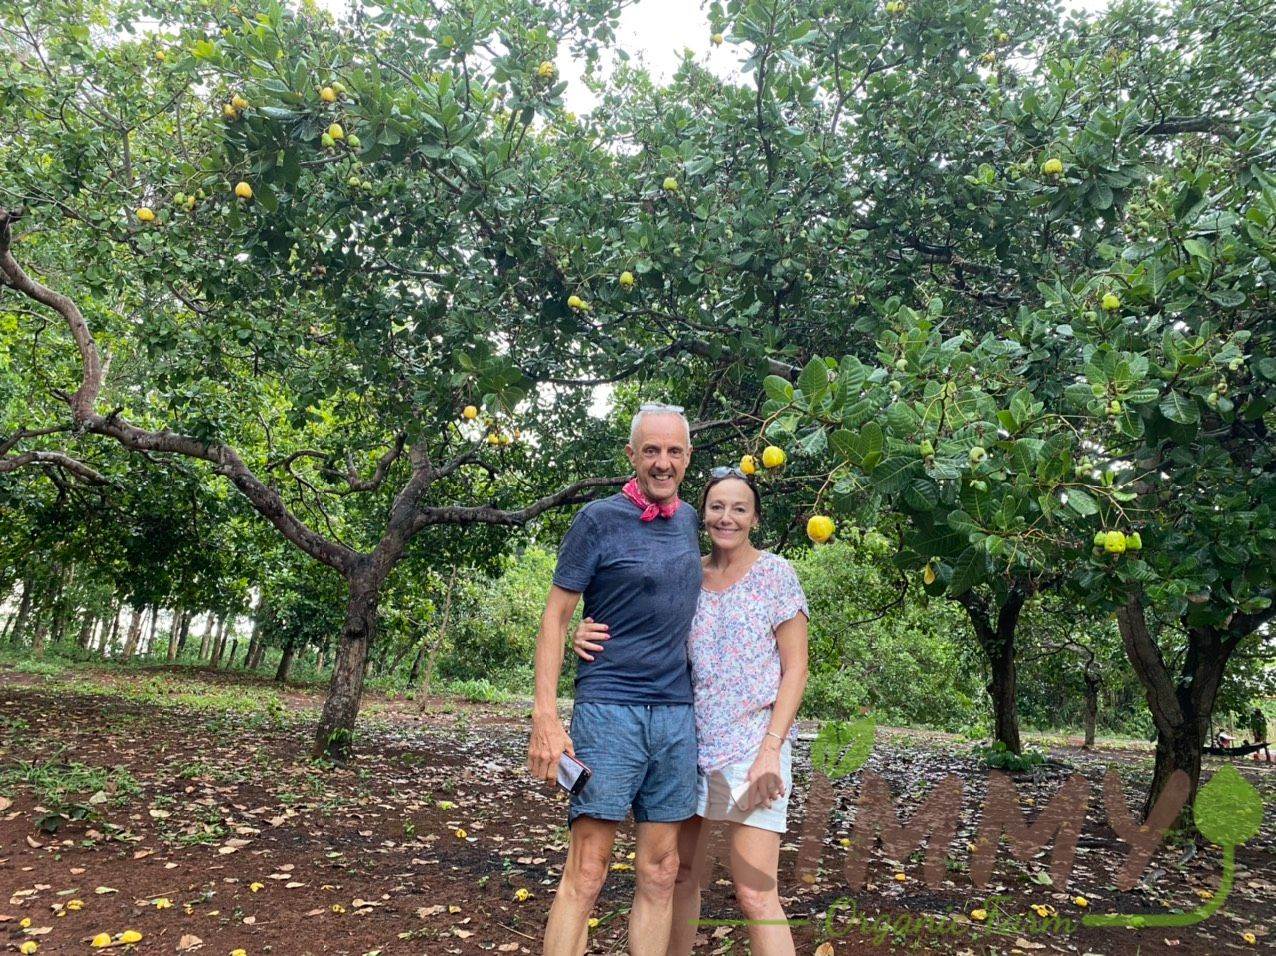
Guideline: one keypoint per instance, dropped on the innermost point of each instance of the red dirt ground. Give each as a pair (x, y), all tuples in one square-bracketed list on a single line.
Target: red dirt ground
[(423, 843)]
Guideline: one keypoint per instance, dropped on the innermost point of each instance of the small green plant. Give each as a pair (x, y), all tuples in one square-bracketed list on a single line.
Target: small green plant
[(39, 667), (54, 780), (479, 690), (999, 757)]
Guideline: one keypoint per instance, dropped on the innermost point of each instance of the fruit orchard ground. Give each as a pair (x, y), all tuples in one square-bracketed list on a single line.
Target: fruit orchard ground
[(197, 790)]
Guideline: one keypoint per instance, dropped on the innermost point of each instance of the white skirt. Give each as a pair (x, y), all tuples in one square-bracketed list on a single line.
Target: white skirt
[(714, 789)]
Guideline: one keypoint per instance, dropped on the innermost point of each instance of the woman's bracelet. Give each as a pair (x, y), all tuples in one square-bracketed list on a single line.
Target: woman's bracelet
[(776, 736)]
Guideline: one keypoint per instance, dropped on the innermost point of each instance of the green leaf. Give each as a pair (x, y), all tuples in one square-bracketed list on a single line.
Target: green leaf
[(1142, 396), (1180, 409), (1081, 502), (1228, 298), (968, 570), (1228, 810), (778, 389), (842, 747), (891, 476), (814, 380), (921, 494), (964, 524), (813, 444)]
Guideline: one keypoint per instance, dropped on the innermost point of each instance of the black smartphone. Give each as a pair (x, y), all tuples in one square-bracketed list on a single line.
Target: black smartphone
[(572, 774)]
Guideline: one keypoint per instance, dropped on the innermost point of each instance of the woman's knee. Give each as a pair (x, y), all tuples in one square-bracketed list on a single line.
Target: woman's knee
[(758, 902)]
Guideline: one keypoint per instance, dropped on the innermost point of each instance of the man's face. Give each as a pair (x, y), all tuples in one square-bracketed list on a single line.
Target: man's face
[(660, 455)]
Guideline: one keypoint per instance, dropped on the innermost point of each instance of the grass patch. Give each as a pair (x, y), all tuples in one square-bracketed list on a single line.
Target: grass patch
[(999, 757), (41, 667), (477, 691), (54, 780), (168, 690)]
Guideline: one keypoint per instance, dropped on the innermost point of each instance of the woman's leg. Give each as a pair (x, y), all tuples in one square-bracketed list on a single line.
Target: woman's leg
[(755, 862), (686, 890)]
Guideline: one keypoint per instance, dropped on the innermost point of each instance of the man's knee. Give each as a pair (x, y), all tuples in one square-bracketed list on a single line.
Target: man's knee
[(688, 872), (584, 876), (658, 874)]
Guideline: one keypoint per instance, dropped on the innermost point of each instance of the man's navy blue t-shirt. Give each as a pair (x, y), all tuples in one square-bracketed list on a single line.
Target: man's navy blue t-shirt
[(641, 579)]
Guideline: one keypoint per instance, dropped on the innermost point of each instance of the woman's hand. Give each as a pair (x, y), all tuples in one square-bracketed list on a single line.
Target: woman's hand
[(589, 637), (766, 783)]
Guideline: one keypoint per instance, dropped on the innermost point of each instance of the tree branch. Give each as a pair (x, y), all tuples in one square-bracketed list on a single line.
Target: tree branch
[(53, 458), (1176, 125), (574, 493), (224, 459)]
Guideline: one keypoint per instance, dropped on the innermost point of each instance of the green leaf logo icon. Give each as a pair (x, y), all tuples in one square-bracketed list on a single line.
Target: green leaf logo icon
[(842, 747), (1228, 810)]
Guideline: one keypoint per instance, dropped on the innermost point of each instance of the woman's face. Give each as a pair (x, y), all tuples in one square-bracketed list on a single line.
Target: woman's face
[(729, 513)]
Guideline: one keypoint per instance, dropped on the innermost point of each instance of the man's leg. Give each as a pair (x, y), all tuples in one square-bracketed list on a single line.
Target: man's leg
[(686, 890), (588, 854), (656, 867)]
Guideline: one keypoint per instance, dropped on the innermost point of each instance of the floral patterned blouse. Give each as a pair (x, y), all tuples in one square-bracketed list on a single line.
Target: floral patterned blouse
[(735, 661)]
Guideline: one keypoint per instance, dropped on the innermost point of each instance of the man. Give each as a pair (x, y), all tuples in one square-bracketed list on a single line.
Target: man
[(1258, 727), (635, 557)]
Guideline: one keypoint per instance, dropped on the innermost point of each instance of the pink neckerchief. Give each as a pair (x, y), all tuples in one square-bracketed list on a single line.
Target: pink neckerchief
[(650, 510)]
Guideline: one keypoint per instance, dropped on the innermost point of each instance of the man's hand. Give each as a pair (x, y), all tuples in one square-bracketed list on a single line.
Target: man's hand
[(548, 742), (589, 637)]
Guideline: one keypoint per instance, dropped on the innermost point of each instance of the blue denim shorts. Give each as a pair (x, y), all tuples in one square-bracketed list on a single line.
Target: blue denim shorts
[(643, 756)]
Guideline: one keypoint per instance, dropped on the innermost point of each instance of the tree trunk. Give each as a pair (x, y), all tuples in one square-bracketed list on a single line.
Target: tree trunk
[(108, 639), (86, 631), (219, 645), (41, 629), (134, 629), (1182, 705), (8, 623), (150, 637), (1091, 707), (179, 615), (250, 655), (24, 610), (998, 643), (230, 658), (205, 641), (285, 661), (334, 737), (185, 631), (57, 623)]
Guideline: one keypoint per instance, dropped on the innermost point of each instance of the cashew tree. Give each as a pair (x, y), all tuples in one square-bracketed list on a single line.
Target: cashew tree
[(1072, 383), (317, 257)]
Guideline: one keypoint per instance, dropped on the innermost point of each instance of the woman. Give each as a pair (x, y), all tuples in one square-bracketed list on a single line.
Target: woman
[(748, 647)]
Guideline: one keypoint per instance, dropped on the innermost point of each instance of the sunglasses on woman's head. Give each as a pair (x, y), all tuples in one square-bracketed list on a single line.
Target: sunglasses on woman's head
[(726, 471)]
